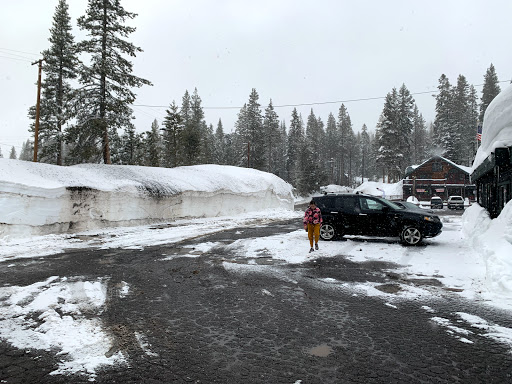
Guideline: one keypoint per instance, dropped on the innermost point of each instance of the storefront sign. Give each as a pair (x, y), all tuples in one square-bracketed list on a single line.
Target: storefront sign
[(439, 189), (420, 190)]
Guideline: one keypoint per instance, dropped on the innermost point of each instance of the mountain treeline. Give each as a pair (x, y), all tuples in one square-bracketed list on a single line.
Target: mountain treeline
[(86, 116)]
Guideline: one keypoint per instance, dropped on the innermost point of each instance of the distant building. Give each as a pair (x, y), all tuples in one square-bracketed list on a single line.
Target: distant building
[(438, 177)]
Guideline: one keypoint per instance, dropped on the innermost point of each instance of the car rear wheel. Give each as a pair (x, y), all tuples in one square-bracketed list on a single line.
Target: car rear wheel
[(327, 232), (410, 236)]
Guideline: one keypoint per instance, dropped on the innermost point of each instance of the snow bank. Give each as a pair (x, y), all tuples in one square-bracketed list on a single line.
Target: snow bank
[(492, 239), (381, 189), (40, 198), (497, 126)]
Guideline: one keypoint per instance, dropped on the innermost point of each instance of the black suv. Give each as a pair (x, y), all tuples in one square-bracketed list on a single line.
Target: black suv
[(358, 214)]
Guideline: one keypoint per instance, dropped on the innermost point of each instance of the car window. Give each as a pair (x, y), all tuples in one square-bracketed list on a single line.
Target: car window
[(338, 203), (350, 205), (325, 203), (370, 205)]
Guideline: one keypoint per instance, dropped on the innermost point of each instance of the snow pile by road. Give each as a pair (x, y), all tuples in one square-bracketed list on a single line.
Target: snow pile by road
[(40, 198), (497, 126), (492, 239), (59, 313)]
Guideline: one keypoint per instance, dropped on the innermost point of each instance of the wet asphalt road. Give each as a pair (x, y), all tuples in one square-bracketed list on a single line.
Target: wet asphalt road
[(205, 323)]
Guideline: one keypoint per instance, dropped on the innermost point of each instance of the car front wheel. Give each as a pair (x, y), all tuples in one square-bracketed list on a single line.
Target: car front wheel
[(327, 232), (410, 236)]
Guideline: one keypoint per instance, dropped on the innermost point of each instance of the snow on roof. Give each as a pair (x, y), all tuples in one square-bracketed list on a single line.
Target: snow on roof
[(461, 167), (497, 126)]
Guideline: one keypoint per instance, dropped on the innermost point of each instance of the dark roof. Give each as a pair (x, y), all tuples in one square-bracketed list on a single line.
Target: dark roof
[(501, 156), (412, 168)]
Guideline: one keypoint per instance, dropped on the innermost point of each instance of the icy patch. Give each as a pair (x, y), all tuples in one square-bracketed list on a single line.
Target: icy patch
[(53, 314), (124, 289), (144, 344), (498, 333), (493, 331), (203, 247), (453, 330)]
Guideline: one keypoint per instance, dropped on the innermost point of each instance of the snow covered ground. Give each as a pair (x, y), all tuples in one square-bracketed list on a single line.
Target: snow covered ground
[(472, 258), (467, 266)]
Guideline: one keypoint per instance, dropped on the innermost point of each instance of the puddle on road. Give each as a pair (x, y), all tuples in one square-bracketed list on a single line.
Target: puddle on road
[(321, 351)]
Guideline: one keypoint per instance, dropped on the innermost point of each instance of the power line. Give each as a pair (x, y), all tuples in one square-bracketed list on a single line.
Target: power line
[(314, 103), (13, 50), (14, 58)]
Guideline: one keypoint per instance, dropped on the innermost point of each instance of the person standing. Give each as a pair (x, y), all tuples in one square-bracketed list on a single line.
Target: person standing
[(312, 222)]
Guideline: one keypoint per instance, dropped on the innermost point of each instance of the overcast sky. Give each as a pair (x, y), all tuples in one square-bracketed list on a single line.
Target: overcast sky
[(293, 52)]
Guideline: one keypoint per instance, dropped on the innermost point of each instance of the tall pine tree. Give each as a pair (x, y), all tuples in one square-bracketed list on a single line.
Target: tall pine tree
[(365, 145), (153, 145), (13, 155), (219, 155), (490, 90), (389, 156), (420, 143), (295, 145), (405, 121), (331, 148), (346, 140), (56, 106), (106, 95), (272, 138), (172, 133), (443, 122)]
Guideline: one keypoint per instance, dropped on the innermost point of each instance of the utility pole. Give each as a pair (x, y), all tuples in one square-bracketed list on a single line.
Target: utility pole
[(38, 105)]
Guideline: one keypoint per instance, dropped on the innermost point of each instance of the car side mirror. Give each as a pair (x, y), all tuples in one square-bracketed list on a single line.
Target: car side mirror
[(385, 209)]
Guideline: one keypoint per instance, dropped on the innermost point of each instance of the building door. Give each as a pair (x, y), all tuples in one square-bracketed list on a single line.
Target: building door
[(503, 197)]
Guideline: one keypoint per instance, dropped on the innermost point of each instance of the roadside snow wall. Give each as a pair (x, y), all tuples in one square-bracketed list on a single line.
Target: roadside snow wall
[(37, 199)]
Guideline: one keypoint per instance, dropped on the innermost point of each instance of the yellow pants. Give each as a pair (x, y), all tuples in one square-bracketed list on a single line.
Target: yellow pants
[(313, 231)]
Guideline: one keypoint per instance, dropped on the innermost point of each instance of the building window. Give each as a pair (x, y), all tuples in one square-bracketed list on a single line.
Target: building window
[(437, 167)]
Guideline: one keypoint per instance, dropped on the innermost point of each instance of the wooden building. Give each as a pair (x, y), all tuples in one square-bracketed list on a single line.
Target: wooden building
[(438, 177), (493, 179)]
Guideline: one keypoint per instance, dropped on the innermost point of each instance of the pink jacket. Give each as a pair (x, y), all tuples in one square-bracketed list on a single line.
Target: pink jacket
[(312, 216)]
